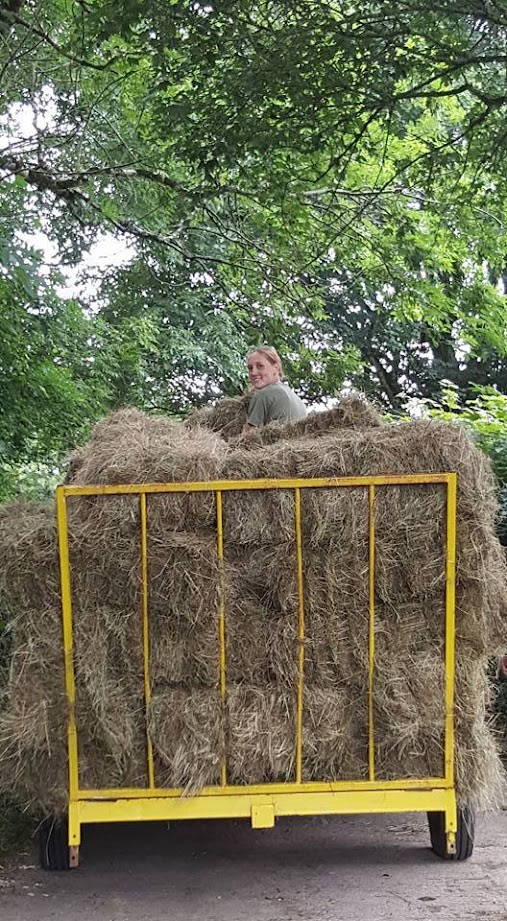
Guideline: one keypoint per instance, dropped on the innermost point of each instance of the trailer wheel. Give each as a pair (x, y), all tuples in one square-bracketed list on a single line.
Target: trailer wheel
[(53, 844), (465, 834)]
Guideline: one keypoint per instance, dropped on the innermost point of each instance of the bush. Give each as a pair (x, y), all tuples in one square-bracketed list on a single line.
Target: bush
[(486, 418)]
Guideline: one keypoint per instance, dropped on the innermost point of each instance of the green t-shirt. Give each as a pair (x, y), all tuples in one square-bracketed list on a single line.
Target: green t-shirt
[(275, 403)]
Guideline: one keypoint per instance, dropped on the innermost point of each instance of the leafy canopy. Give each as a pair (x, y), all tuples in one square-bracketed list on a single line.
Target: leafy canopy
[(329, 176)]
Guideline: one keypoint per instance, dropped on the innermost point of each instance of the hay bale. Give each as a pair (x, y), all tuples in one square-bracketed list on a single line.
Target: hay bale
[(131, 447), (353, 411), (185, 654), (184, 574), (109, 697), (252, 518), (410, 525), (261, 645), (267, 576), (186, 729), (33, 732), (409, 713), (335, 733), (98, 576), (260, 735), (227, 417), (29, 575)]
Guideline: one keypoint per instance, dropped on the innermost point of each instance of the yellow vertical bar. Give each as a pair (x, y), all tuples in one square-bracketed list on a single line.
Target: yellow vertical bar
[(371, 629), (221, 622), (450, 604), (68, 650), (301, 636), (146, 636)]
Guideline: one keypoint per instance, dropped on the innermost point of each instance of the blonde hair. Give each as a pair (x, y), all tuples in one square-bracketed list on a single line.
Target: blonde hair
[(270, 353)]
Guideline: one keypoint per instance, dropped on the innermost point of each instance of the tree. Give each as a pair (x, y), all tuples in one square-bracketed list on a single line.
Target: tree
[(328, 175), (252, 123), (53, 370)]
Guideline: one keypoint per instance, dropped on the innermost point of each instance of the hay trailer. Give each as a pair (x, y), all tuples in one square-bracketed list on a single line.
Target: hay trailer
[(451, 827)]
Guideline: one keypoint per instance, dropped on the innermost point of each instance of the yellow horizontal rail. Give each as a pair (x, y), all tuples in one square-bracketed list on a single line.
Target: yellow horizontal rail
[(285, 803), (334, 786), (242, 485)]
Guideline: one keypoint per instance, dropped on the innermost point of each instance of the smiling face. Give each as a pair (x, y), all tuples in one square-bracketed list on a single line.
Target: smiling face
[(262, 371)]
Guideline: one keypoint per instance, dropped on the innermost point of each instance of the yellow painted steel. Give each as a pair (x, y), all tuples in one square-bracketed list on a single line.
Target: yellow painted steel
[(242, 485), (221, 623), (284, 804), (74, 821), (331, 786), (262, 803), (301, 636), (263, 815), (146, 637), (68, 651), (450, 603), (371, 629)]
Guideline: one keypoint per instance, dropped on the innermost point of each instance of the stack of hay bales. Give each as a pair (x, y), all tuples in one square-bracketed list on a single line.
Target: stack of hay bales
[(184, 717), (410, 597), (32, 701), (190, 730)]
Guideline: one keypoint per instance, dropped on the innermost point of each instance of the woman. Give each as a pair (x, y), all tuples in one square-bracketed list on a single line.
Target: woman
[(272, 400)]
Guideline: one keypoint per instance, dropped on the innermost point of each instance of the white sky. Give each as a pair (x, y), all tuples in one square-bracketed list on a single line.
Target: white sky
[(107, 252)]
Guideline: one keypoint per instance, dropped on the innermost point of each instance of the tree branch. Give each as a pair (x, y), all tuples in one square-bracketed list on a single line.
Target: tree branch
[(11, 18)]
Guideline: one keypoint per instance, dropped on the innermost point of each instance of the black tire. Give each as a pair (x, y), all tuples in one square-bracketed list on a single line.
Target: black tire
[(465, 834), (53, 844)]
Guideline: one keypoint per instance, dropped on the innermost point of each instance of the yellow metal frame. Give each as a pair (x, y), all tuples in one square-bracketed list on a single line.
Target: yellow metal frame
[(264, 802)]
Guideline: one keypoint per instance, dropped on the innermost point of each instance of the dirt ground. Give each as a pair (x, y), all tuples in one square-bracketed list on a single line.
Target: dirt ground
[(325, 869)]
